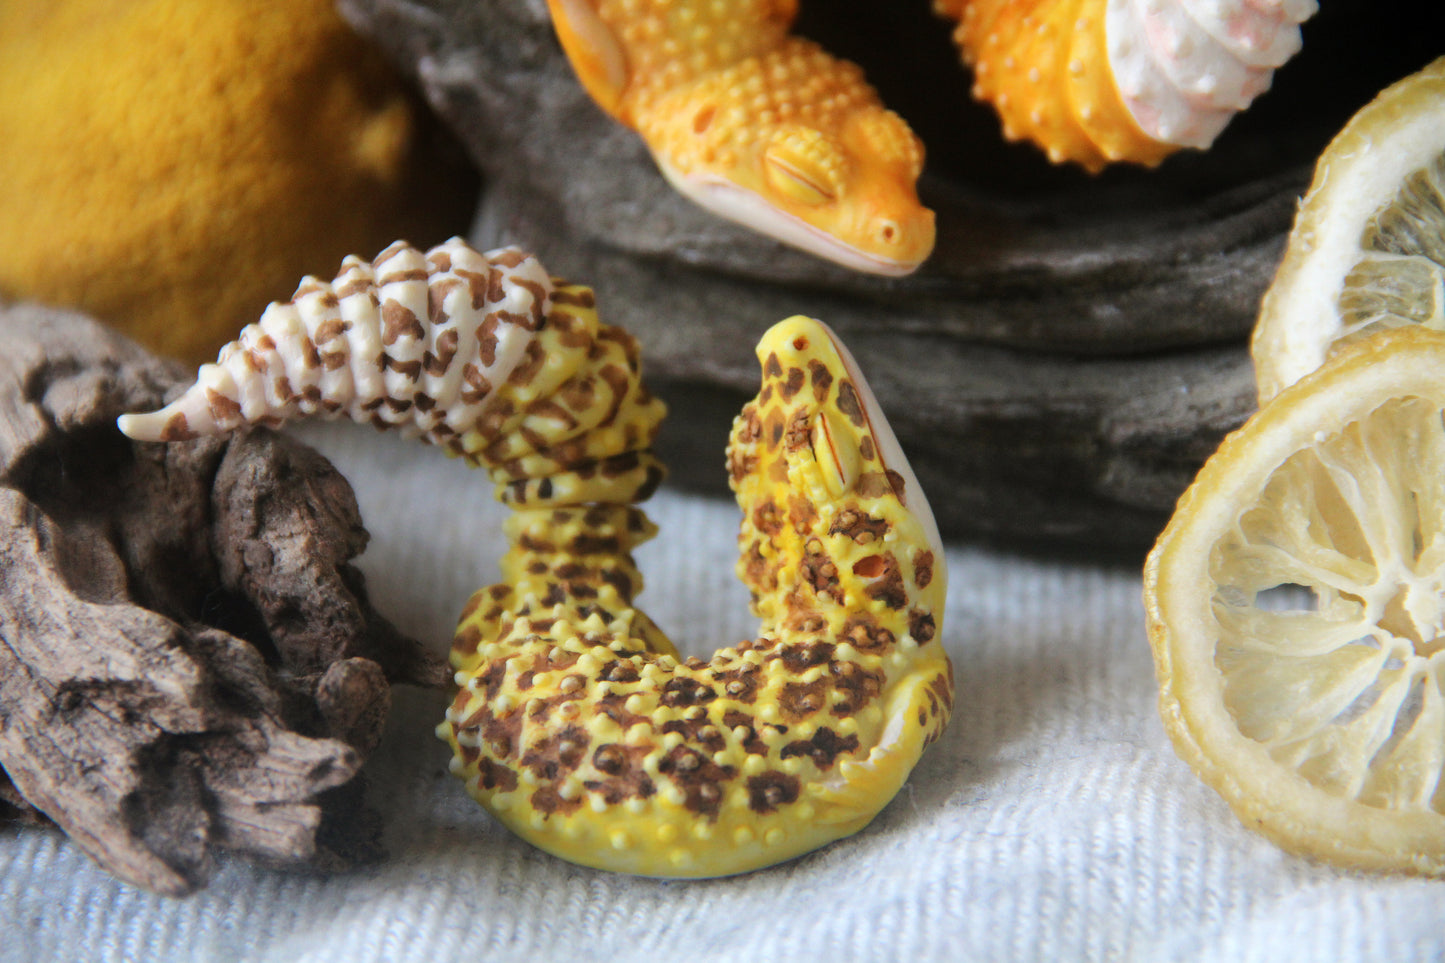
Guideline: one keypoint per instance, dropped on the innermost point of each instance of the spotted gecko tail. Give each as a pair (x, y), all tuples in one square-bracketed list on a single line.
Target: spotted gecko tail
[(412, 341)]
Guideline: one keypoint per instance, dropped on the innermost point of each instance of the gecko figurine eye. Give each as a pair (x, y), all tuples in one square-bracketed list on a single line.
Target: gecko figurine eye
[(837, 457), (805, 166), (575, 722)]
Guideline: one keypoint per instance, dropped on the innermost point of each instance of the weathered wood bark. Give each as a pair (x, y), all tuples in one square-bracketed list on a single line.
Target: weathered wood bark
[(1054, 371), (187, 660)]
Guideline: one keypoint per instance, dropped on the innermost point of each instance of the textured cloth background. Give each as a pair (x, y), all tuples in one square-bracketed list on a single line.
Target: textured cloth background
[(1052, 821)]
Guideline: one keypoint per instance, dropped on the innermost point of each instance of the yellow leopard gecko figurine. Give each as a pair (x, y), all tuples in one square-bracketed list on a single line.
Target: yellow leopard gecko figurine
[(576, 723), (756, 125)]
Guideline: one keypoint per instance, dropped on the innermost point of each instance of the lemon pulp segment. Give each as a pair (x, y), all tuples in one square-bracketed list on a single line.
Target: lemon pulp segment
[(1400, 277)]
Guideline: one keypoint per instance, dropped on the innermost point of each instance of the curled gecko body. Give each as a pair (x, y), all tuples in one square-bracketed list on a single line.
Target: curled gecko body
[(576, 722)]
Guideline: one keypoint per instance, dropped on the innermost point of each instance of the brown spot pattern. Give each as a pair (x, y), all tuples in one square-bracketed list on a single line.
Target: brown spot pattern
[(697, 732), (859, 526), (802, 656), (850, 405), (547, 801), (800, 431), (824, 748), (177, 429), (821, 377), (767, 518), (702, 707), (699, 778), (802, 514), (621, 776), (683, 690), (502, 735), (922, 568), (888, 587), (740, 684), (397, 322), (873, 484), (224, 410), (494, 777), (558, 754), (865, 634), (821, 573), (613, 706), (330, 330), (468, 637), (941, 690), (858, 687), (921, 626), (793, 384), (582, 298), (773, 430), (798, 700), (769, 791)]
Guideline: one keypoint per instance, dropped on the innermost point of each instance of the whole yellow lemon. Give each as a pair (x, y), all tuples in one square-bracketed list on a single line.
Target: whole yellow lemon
[(171, 165)]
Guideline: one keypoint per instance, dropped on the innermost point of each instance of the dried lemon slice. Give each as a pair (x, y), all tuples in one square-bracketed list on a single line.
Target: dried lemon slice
[(1296, 608), (1367, 252)]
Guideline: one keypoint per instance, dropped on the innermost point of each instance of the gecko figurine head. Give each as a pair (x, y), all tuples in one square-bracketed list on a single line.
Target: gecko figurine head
[(837, 532), (796, 145)]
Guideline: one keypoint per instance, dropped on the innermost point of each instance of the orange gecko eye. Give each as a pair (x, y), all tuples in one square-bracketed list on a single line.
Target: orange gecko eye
[(803, 165)]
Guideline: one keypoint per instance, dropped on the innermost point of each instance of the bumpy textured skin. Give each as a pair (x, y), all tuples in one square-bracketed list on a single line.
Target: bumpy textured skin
[(755, 124), (410, 340), (483, 355), (577, 725), (1098, 81)]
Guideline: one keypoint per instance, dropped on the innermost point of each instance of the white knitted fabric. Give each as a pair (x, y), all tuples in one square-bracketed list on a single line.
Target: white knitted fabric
[(1052, 821)]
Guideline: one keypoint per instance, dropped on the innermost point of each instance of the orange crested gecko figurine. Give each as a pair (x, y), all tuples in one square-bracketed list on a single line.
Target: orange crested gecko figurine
[(756, 125)]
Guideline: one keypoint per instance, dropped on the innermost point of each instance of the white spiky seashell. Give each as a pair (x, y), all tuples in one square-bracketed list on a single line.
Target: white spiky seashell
[(411, 340)]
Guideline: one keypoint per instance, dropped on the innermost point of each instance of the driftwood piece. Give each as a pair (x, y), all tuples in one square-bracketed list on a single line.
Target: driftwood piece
[(1113, 303), (187, 660)]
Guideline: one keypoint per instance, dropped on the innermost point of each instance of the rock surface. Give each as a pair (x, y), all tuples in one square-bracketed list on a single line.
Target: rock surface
[(1058, 369), (188, 662)]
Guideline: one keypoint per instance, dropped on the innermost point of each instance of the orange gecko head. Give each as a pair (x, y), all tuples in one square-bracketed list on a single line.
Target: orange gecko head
[(799, 148)]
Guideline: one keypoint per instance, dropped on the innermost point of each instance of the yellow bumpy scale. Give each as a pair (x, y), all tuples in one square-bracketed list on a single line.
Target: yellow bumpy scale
[(573, 423), (756, 125), (579, 727)]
